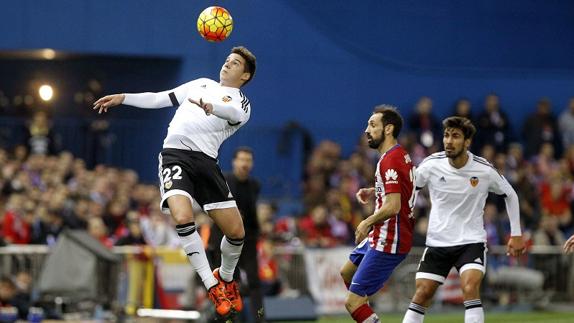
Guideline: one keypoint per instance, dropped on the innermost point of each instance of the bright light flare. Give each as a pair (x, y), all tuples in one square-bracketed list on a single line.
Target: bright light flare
[(46, 92)]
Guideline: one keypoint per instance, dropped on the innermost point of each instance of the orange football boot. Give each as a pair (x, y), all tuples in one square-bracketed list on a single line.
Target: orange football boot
[(231, 291)]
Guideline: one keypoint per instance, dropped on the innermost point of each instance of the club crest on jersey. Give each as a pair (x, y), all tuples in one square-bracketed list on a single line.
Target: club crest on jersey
[(226, 98), (168, 185), (474, 181), (391, 176)]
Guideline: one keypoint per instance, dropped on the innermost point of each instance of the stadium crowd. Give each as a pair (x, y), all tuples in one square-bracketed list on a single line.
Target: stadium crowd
[(41, 194)]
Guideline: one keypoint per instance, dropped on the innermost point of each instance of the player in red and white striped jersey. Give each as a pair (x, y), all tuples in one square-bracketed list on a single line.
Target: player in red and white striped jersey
[(390, 228)]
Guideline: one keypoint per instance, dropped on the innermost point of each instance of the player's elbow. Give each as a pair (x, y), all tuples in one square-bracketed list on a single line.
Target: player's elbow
[(396, 208), (237, 118)]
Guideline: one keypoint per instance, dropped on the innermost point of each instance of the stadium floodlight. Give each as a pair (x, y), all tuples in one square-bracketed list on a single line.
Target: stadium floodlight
[(46, 92), (48, 53)]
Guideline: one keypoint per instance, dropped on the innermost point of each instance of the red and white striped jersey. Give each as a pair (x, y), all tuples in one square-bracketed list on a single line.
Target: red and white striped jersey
[(394, 174)]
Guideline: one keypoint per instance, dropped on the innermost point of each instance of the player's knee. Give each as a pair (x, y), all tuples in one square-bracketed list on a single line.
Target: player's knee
[(423, 294), (182, 217), (236, 233), (471, 289)]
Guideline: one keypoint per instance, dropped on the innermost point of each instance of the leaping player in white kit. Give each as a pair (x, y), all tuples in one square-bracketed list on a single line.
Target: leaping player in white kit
[(459, 183), (208, 113)]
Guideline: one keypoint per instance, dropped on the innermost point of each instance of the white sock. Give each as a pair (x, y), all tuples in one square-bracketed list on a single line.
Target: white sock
[(474, 312), (372, 319), (193, 247), (230, 253), (415, 314)]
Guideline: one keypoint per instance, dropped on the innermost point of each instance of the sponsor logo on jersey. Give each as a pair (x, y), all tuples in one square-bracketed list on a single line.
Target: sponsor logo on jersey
[(168, 185), (203, 86), (442, 179), (226, 98), (391, 176), (474, 181)]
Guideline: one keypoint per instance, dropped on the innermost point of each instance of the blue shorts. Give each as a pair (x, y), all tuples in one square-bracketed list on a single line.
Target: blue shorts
[(359, 252), (374, 269)]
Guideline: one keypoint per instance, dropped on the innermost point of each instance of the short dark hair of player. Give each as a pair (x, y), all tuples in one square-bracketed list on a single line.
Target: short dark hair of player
[(462, 123), (390, 115), (249, 58), (242, 149)]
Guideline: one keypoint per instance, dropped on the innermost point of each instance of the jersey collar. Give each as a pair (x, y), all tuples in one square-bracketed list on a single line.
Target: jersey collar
[(391, 149)]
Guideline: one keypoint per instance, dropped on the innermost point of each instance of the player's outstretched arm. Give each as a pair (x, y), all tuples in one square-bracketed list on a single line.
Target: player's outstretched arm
[(364, 194), (108, 101), (569, 245), (145, 100)]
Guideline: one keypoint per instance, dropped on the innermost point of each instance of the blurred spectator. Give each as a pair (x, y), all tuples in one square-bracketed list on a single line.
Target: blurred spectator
[(268, 269), (541, 127), (9, 296), (424, 123), (527, 192), (488, 152), (495, 233), (462, 108), (548, 234), (115, 217), (47, 226), (133, 235), (514, 161), (97, 229), (20, 153), (315, 229), (76, 217), (544, 162), (555, 197), (16, 224), (40, 137), (492, 124), (566, 125), (157, 231)]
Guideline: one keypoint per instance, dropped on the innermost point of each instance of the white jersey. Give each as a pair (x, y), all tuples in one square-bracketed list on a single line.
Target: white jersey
[(191, 128), (458, 197)]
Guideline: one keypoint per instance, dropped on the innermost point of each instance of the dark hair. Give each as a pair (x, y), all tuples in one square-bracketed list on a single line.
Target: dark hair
[(461, 123), (242, 149), (4, 279), (249, 58), (390, 115)]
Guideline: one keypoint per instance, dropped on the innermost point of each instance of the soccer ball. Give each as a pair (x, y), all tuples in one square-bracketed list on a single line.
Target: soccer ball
[(214, 24)]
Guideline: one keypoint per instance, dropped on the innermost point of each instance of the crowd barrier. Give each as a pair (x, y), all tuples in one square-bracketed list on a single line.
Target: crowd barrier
[(162, 278)]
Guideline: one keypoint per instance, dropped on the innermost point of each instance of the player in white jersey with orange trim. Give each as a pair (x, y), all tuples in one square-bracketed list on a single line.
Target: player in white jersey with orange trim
[(390, 227), (208, 113), (459, 183)]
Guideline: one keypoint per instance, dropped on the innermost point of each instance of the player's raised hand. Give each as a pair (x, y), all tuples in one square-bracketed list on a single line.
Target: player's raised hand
[(108, 101), (207, 107), (515, 246), (569, 245), (364, 194)]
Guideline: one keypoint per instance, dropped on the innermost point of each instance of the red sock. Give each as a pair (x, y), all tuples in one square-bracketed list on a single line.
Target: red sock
[(362, 313)]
